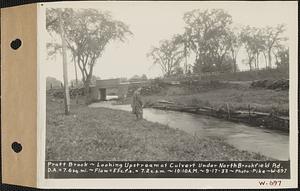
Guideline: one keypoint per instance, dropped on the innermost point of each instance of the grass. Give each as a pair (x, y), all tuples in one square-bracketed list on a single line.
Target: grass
[(261, 100), (228, 88), (105, 134), (238, 97)]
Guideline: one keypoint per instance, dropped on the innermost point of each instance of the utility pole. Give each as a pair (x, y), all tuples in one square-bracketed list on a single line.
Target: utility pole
[(76, 77), (65, 66), (74, 60), (76, 72)]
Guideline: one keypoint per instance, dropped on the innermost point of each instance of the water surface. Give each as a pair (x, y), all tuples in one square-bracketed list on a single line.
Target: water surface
[(271, 143)]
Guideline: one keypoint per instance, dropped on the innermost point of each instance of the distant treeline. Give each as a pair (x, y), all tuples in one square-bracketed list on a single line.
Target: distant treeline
[(213, 41), (271, 74)]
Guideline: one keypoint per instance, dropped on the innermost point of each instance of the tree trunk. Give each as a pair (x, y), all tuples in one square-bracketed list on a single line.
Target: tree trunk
[(234, 65), (65, 68), (76, 77), (75, 67), (250, 63), (276, 59), (87, 91), (198, 66), (265, 59), (185, 64), (257, 61), (269, 58), (87, 84), (234, 61), (250, 58)]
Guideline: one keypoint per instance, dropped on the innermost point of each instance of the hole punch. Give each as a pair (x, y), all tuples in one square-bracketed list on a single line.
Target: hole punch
[(15, 44), (16, 147)]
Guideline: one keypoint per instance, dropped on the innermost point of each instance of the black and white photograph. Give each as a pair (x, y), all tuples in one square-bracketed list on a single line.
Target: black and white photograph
[(168, 90)]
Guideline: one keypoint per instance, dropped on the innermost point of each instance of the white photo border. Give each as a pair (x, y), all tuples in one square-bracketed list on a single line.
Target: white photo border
[(171, 183)]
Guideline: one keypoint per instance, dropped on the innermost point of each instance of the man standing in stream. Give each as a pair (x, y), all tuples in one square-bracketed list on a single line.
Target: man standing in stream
[(137, 104)]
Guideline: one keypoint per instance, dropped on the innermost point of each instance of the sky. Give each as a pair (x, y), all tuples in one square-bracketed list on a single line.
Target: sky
[(151, 22)]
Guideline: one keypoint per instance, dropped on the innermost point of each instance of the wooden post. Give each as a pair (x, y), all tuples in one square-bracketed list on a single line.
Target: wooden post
[(228, 110), (249, 110)]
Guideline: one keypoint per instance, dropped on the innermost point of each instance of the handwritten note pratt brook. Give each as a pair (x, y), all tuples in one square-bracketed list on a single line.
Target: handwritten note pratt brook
[(97, 169)]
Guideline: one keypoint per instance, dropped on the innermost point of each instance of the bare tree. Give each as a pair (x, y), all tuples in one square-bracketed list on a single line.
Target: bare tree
[(273, 36), (258, 45), (183, 42), (281, 54), (167, 55), (235, 45), (254, 43)]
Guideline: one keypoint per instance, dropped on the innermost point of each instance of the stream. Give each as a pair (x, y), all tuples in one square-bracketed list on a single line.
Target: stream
[(271, 143)]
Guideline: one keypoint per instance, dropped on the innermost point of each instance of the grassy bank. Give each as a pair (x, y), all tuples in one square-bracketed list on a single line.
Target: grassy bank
[(104, 134), (239, 97), (259, 100)]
